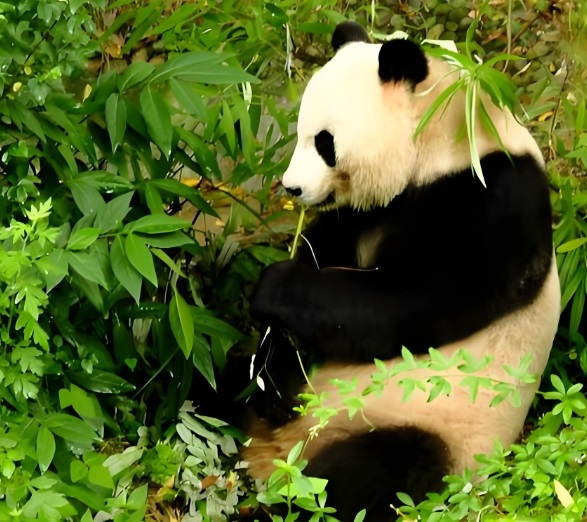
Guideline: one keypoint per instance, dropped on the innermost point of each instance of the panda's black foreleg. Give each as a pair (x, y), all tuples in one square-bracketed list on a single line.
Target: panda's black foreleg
[(367, 470)]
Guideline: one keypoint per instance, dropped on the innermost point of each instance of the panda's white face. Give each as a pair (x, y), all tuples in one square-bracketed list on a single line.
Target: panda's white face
[(355, 136), (356, 143)]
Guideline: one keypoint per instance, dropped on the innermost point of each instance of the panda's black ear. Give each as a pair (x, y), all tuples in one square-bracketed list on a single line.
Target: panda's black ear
[(401, 59), (347, 32)]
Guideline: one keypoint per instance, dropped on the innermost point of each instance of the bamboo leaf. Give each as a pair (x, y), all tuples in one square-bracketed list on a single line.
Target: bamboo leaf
[(140, 257), (115, 119), (128, 276), (158, 119), (182, 326)]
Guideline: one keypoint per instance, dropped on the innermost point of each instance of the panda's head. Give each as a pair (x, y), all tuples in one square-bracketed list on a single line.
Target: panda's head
[(358, 117)]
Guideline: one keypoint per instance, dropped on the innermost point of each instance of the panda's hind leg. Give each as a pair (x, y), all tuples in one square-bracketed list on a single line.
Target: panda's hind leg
[(366, 470)]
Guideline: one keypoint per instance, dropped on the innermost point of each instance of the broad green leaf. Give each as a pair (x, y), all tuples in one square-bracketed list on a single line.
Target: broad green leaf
[(405, 499), (86, 197), (138, 498), (169, 240), (205, 322), (158, 119), (134, 74), (203, 360), (157, 224), (188, 99), (121, 461), (186, 62), (571, 245), (181, 15), (45, 448), (105, 181), (217, 74), (124, 271), (101, 382), (70, 428), (247, 137), (180, 317), (111, 215), (168, 261), (100, 476), (154, 200), (87, 266), (140, 257), (205, 157), (115, 119), (90, 289), (25, 119), (82, 238), (77, 470), (53, 268), (175, 187)]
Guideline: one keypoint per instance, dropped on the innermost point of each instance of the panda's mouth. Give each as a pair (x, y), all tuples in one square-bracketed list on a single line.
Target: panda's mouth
[(328, 202)]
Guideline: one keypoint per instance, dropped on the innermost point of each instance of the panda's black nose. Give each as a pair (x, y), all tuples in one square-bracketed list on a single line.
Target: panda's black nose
[(294, 191)]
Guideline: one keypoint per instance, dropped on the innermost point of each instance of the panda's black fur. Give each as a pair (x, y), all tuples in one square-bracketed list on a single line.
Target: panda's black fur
[(443, 260)]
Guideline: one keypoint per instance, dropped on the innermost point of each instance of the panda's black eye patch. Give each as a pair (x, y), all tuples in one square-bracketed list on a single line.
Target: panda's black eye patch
[(324, 143)]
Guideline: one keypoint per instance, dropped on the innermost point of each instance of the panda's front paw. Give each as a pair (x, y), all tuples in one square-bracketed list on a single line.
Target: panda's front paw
[(274, 298)]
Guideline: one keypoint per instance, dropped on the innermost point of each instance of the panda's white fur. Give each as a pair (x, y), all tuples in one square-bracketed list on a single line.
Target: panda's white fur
[(377, 159), (375, 134)]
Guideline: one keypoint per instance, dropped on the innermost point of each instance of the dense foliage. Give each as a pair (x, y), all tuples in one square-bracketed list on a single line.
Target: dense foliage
[(138, 146)]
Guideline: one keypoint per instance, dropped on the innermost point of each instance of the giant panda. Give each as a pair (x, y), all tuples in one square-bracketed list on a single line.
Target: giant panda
[(409, 249)]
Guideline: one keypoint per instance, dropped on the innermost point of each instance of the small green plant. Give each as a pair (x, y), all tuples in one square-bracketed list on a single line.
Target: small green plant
[(288, 485), (541, 478)]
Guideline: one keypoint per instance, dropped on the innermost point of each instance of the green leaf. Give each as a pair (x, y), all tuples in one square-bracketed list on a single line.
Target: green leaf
[(138, 498), (70, 428), (168, 261), (217, 74), (360, 516), (25, 119), (121, 461), (134, 74), (45, 448), (180, 15), (444, 96), (186, 62), (86, 197), (158, 119), (180, 317), (140, 257), (124, 271), (157, 224), (111, 215), (101, 382), (115, 119), (205, 157), (405, 499), (88, 267), (82, 238), (154, 200), (187, 98), (175, 187), (169, 240), (571, 245), (105, 181), (205, 322), (100, 476), (203, 360), (53, 268), (77, 470)]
